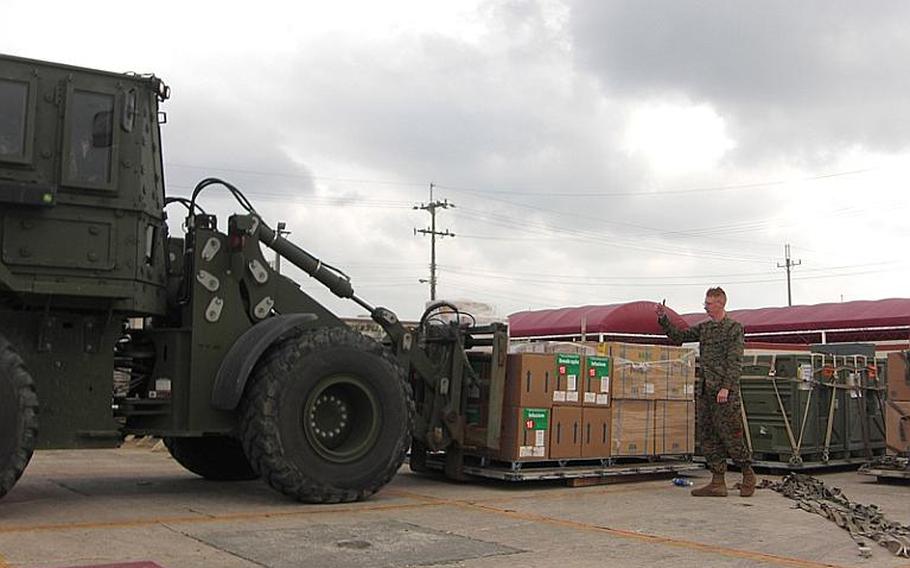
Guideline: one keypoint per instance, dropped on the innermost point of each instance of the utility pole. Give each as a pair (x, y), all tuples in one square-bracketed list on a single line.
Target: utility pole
[(432, 206), (788, 264)]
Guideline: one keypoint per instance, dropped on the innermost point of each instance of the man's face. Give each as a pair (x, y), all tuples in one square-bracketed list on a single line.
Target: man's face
[(714, 305)]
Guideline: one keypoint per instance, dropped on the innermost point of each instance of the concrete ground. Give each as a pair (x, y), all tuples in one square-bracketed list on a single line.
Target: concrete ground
[(136, 507)]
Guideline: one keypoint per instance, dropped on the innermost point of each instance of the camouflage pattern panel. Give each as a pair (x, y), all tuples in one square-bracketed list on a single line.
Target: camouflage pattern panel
[(720, 354), (720, 432), (81, 187), (676, 335)]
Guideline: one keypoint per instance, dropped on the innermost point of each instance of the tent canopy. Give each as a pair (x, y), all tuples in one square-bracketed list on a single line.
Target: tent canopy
[(630, 318), (845, 321), (842, 315)]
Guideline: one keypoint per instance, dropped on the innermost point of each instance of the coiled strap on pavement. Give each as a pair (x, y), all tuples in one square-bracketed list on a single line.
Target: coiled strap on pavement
[(861, 521)]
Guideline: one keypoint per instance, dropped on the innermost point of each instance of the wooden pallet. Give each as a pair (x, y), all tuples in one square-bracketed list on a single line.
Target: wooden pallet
[(575, 473), (813, 460), (887, 467)]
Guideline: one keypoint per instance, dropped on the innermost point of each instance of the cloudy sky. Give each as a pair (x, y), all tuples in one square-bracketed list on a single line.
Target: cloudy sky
[(596, 152)]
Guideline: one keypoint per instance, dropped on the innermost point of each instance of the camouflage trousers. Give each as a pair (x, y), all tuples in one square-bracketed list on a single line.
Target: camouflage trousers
[(719, 428)]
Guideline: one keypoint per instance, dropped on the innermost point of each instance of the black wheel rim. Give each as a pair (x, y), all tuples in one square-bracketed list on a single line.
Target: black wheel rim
[(341, 418)]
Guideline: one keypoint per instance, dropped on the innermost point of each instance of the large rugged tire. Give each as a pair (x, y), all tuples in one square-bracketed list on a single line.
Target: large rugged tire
[(327, 416), (219, 458), (18, 417)]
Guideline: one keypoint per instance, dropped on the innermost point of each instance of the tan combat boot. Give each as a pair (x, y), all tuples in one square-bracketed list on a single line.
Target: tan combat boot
[(747, 487), (717, 487)]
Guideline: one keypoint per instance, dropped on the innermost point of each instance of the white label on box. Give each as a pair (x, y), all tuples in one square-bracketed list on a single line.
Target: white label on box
[(559, 396), (805, 372), (572, 396), (690, 389), (163, 384), (538, 451), (525, 451), (590, 397), (603, 399), (605, 384), (572, 383), (539, 437), (649, 388)]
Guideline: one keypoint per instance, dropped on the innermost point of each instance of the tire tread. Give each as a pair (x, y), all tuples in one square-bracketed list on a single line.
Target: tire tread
[(259, 416)]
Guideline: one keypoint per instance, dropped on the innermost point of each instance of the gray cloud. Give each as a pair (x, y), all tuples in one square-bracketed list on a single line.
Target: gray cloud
[(521, 114), (804, 77)]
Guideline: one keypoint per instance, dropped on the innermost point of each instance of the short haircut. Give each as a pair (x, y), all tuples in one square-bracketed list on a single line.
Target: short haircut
[(717, 292)]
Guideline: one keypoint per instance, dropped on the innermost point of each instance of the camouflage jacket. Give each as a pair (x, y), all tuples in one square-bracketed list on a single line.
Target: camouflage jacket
[(720, 350)]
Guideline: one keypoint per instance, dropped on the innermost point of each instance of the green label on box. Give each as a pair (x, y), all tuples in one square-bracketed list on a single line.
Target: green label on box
[(598, 367), (568, 364), (536, 418), (472, 414)]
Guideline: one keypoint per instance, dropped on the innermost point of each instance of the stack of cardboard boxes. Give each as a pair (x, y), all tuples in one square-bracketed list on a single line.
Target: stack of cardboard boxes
[(628, 400), (653, 399), (897, 409), (555, 406)]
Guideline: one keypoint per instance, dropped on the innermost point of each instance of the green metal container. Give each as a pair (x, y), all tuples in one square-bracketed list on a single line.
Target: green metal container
[(812, 409)]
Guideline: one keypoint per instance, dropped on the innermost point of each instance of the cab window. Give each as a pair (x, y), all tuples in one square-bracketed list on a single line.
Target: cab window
[(13, 105), (90, 140)]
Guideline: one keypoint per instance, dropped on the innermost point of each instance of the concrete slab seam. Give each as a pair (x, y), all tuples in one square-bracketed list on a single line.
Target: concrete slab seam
[(209, 518), (210, 545), (630, 488), (623, 533)]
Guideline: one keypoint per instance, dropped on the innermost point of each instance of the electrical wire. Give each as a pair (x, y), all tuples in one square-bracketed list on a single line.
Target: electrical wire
[(600, 193)]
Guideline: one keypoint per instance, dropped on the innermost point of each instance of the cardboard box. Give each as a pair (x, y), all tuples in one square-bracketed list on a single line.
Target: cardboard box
[(897, 427), (898, 377), (565, 432), (632, 428), (674, 427), (596, 436), (651, 372), (530, 380), (525, 434), (568, 380), (596, 385), (519, 346)]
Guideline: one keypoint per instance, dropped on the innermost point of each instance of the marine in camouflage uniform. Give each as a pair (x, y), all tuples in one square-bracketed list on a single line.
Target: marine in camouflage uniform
[(718, 404)]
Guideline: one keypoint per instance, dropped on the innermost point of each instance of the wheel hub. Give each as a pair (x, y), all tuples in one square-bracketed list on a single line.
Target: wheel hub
[(342, 418), (329, 418)]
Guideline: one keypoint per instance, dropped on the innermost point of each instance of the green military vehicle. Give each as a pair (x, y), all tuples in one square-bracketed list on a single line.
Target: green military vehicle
[(110, 326)]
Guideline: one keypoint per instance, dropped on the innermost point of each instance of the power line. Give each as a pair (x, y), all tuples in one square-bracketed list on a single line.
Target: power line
[(295, 175), (598, 193), (599, 238), (650, 282), (744, 277)]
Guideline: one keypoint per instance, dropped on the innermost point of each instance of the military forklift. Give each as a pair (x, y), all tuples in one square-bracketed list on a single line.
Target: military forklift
[(110, 326)]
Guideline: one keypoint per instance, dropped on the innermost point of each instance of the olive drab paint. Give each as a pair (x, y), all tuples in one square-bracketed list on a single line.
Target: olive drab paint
[(127, 329)]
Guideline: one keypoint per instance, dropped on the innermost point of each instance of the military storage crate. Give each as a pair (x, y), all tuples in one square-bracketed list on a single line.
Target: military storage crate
[(815, 409)]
